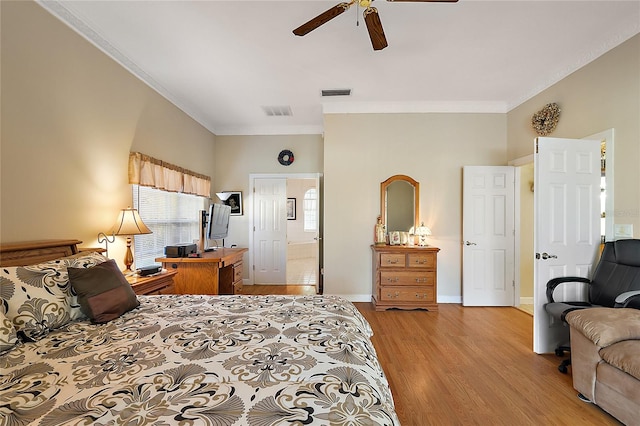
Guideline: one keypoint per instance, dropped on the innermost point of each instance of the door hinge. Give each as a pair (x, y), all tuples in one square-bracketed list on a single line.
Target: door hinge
[(536, 145)]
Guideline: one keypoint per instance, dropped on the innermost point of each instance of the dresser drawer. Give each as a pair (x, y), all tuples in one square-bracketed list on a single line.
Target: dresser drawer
[(395, 260), (414, 278), (407, 294), (422, 260)]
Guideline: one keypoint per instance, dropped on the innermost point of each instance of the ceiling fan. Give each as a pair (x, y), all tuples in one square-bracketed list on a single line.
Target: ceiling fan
[(371, 18)]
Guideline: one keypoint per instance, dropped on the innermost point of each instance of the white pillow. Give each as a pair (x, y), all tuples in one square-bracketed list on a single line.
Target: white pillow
[(39, 297)]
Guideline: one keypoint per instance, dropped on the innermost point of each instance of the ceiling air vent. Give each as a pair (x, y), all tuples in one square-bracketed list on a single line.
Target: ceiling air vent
[(277, 111), (336, 92)]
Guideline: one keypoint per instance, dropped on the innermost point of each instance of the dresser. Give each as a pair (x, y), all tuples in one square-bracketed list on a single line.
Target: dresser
[(215, 272), (405, 277)]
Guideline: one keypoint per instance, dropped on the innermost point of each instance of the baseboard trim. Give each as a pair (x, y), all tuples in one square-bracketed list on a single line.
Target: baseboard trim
[(450, 299)]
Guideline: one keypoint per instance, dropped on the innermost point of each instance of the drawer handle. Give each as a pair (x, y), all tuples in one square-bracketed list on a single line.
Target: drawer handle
[(394, 261), (393, 295), (421, 296), (421, 280), (393, 280), (421, 261)]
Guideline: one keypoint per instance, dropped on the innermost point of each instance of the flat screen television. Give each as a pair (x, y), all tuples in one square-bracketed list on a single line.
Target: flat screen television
[(217, 223)]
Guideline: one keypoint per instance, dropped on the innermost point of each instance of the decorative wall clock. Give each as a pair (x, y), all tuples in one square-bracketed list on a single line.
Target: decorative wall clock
[(545, 121), (285, 157)]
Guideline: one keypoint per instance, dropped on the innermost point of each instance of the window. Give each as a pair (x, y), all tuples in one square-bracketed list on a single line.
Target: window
[(172, 216), (310, 209)]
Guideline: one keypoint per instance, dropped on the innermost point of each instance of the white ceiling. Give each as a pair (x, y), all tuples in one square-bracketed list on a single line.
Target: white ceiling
[(223, 61)]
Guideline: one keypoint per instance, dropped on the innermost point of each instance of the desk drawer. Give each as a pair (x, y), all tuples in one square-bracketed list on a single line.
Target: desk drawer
[(415, 278), (237, 272)]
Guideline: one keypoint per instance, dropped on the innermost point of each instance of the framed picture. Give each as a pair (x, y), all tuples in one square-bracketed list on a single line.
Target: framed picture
[(235, 201), (291, 209)]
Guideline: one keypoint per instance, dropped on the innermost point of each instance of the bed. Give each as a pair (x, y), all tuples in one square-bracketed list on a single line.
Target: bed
[(178, 359)]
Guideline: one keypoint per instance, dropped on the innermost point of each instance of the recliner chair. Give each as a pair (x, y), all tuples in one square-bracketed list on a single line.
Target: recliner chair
[(617, 276)]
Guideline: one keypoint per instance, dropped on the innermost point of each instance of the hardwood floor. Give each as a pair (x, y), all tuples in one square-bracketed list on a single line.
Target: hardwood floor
[(473, 366), (468, 366)]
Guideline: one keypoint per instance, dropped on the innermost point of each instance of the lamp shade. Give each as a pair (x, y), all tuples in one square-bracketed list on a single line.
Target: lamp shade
[(423, 230), (129, 223), (223, 196)]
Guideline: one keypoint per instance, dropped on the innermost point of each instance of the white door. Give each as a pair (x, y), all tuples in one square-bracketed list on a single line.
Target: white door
[(270, 231), (488, 275), (566, 226)]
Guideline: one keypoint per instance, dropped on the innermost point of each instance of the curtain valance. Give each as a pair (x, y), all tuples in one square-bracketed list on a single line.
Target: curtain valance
[(149, 171)]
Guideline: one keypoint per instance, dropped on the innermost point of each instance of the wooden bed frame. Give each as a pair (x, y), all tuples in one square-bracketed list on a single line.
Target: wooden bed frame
[(33, 252)]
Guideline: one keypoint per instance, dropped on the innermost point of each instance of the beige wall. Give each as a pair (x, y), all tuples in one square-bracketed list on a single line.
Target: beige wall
[(237, 157), (362, 150), (602, 95), (70, 116)]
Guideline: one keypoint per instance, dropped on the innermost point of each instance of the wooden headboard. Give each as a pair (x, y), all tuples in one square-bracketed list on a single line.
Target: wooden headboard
[(33, 252)]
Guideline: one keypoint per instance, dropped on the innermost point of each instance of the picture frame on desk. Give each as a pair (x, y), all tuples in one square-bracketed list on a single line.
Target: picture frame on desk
[(235, 201)]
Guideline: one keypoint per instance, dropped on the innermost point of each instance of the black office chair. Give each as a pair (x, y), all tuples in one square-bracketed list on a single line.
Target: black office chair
[(617, 276)]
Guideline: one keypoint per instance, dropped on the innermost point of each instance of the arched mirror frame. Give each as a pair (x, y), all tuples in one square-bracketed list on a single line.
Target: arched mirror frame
[(416, 197)]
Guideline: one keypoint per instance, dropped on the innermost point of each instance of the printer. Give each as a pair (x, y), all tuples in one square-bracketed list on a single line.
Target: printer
[(180, 250)]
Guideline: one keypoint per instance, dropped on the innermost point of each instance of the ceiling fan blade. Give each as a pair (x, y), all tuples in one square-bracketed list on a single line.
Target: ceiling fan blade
[(374, 26), (322, 19)]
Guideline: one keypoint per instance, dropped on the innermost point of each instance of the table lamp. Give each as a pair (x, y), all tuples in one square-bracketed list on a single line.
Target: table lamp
[(128, 223), (422, 232)]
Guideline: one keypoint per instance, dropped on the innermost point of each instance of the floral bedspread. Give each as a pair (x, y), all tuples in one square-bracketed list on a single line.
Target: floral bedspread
[(203, 360)]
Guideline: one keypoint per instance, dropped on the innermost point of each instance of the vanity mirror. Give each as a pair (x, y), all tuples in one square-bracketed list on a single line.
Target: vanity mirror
[(400, 203)]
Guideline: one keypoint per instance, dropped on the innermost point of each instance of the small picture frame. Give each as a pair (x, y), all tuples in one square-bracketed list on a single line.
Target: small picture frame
[(291, 209), (235, 201)]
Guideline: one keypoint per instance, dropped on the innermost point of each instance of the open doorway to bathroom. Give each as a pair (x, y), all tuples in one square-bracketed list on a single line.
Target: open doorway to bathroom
[(286, 230), (302, 231)]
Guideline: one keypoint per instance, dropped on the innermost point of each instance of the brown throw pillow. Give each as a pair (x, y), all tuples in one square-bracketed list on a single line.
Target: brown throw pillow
[(103, 292)]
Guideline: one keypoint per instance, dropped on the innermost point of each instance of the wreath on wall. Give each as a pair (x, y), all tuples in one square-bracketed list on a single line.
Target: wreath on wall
[(285, 157), (545, 121)]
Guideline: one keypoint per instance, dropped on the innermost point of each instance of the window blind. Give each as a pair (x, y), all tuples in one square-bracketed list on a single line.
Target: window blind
[(173, 218)]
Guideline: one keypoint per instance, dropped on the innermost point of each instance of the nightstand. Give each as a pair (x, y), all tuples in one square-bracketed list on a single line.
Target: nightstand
[(160, 283)]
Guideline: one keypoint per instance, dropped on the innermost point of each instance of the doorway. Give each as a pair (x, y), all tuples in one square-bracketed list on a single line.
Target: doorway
[(286, 229)]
